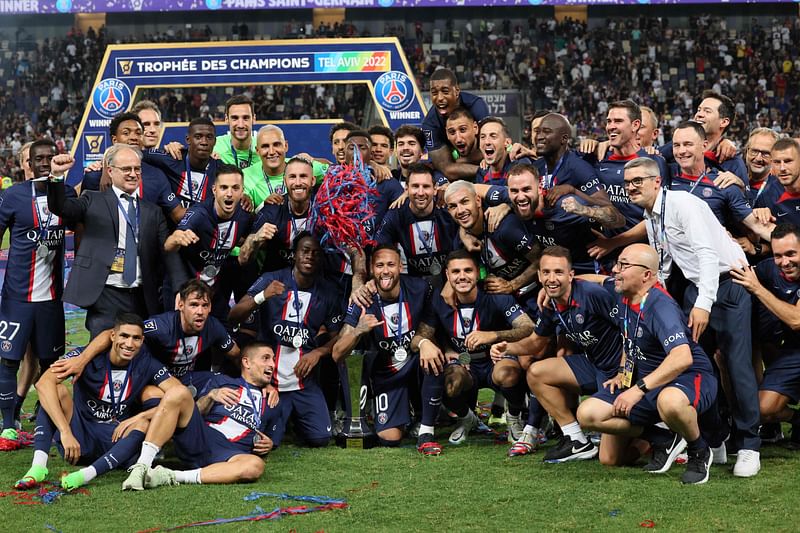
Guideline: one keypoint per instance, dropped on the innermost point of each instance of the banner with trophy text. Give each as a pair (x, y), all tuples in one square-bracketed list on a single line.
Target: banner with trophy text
[(378, 63)]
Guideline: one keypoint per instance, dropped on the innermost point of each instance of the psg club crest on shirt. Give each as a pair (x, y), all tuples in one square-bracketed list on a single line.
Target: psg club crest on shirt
[(639, 332), (395, 319), (6, 346), (117, 386), (189, 349), (467, 322), (707, 193), (549, 225), (579, 318)]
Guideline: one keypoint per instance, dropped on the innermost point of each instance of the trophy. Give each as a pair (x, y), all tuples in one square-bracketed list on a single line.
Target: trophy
[(356, 433)]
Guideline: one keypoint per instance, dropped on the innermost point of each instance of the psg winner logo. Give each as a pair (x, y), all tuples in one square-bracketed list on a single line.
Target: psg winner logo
[(111, 97), (394, 91)]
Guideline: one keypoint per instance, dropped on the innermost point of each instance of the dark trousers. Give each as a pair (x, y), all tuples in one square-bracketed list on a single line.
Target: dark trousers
[(112, 301)]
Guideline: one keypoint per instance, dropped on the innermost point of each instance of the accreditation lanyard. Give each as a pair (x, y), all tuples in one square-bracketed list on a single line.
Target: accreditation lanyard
[(550, 180), (561, 317), (134, 228), (398, 334), (36, 221), (236, 157), (256, 408), (116, 406), (269, 183), (629, 342), (662, 234), (190, 183), (694, 185), (297, 304), (761, 189)]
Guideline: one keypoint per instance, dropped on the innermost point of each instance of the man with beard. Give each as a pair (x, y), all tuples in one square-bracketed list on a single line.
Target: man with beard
[(423, 231), (462, 135), (300, 316), (782, 196), (446, 97), (776, 284), (665, 374), (410, 148), (222, 436), (583, 312), (388, 323), (494, 142), (277, 225), (477, 321)]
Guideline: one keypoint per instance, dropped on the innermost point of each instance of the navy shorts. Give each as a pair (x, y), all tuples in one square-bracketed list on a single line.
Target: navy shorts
[(307, 410), (39, 323), (391, 394), (783, 375), (95, 440), (481, 371), (589, 377), (699, 387), (199, 445)]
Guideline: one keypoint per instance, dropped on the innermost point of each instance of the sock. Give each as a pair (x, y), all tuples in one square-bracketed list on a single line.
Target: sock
[(120, 453), (188, 477), (573, 430), (697, 445), (148, 454), (425, 430), (18, 401), (656, 435), (43, 432), (89, 473), (535, 412), (431, 391), (8, 390), (40, 458), (498, 404)]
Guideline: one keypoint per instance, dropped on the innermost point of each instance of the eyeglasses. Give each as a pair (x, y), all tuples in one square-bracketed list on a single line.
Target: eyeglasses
[(622, 266), (128, 170), (637, 182), (764, 154)]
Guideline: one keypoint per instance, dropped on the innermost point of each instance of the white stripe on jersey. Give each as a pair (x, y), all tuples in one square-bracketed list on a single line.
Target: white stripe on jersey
[(117, 379), (423, 233), (288, 356), (42, 277), (230, 428)]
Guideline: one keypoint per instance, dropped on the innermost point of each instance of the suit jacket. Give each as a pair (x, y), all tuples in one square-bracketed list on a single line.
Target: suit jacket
[(99, 213)]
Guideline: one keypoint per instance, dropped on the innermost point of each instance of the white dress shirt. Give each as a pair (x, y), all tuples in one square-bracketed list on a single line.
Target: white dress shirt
[(115, 279), (692, 237)]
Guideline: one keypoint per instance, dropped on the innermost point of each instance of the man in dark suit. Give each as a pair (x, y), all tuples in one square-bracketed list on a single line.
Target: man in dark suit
[(120, 262)]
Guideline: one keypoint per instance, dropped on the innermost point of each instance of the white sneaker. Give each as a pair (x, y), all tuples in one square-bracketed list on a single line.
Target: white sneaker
[(748, 463), (515, 426), (720, 454), (465, 425)]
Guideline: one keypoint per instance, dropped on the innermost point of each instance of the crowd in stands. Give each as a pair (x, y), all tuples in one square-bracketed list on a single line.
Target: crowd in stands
[(566, 66)]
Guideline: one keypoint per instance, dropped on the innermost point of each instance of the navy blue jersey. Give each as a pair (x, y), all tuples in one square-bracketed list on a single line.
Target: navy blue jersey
[(279, 248), (424, 240), (554, 227), (388, 191), (611, 173), (153, 187), (237, 423), (735, 164), (216, 238), (434, 127), (504, 251), (28, 277), (490, 177), (490, 312), (298, 313), (755, 190), (106, 392), (654, 328), (401, 318), (188, 192), (588, 322), (167, 342), (784, 205), (785, 290), (729, 204)]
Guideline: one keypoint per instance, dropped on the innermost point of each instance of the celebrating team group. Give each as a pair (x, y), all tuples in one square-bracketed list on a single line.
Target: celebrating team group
[(646, 294)]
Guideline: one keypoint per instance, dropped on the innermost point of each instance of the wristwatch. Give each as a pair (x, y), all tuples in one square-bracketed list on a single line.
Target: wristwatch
[(642, 386)]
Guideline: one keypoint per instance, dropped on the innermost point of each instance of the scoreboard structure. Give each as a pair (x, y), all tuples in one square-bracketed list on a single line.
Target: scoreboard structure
[(127, 70)]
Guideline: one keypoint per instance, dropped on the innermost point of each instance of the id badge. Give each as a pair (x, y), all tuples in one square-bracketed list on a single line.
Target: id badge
[(627, 373), (118, 264)]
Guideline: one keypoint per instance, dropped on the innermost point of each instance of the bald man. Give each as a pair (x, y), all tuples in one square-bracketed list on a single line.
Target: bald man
[(664, 375)]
